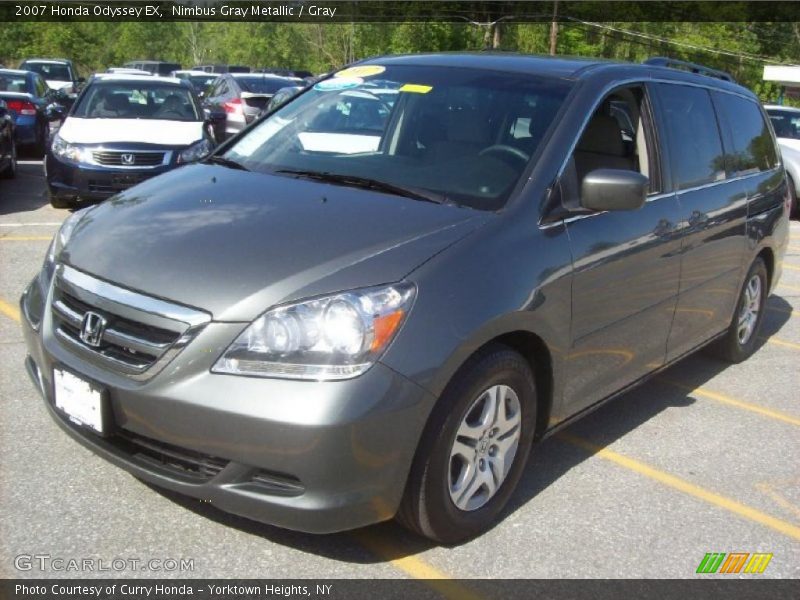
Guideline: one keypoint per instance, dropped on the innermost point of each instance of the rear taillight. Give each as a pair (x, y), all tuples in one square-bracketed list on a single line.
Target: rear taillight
[(233, 106), (21, 107)]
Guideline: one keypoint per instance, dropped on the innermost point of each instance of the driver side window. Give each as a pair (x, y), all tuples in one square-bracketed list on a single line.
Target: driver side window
[(617, 136)]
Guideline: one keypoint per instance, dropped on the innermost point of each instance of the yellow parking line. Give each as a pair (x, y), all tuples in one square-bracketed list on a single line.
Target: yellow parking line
[(711, 395), (791, 267), (26, 238), (9, 310), (779, 342), (793, 288), (415, 567), (691, 489)]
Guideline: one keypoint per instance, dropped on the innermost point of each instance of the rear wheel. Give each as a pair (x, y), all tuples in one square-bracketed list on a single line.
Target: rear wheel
[(741, 338), (42, 140), (794, 210), (11, 170), (473, 450)]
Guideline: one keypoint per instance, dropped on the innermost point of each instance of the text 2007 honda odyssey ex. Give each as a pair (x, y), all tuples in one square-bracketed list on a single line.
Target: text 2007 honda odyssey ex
[(373, 301)]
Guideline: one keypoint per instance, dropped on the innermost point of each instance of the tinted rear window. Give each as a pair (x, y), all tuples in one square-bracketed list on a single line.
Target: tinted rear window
[(753, 148), (263, 85), (695, 147)]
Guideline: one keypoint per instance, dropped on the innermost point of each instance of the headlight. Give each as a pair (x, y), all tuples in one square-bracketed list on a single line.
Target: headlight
[(66, 151), (196, 151), (334, 337)]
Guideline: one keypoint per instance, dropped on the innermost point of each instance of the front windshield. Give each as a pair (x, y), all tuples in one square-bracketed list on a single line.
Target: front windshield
[(466, 135), (50, 71), (786, 123), (134, 100)]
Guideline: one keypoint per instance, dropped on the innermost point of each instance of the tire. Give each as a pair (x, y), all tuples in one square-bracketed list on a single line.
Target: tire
[(794, 209), (40, 148), (429, 504), (733, 346), (11, 170), (57, 202)]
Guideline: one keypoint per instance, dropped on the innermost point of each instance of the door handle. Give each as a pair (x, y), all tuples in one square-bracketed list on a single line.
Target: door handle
[(698, 219)]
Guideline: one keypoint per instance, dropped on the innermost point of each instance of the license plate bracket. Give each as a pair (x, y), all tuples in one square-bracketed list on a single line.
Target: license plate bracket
[(82, 402)]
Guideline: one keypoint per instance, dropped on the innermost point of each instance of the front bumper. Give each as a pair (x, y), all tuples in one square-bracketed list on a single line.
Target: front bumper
[(70, 181), (311, 456)]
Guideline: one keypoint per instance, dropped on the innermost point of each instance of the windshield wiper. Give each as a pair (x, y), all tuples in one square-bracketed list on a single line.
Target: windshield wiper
[(370, 184), (226, 162)]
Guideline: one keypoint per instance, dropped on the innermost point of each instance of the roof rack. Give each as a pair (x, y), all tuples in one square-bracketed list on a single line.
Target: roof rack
[(682, 65)]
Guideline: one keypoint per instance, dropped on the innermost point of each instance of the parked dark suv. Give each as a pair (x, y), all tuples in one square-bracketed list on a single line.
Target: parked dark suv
[(374, 301)]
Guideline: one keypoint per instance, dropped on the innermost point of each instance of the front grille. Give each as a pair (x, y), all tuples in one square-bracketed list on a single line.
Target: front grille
[(110, 158), (181, 462), (137, 332)]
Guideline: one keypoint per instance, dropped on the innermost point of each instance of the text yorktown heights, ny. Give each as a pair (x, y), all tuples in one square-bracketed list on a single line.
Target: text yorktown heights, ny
[(182, 589)]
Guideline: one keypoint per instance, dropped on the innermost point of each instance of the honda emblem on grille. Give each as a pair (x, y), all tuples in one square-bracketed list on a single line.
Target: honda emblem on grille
[(92, 328), (128, 159)]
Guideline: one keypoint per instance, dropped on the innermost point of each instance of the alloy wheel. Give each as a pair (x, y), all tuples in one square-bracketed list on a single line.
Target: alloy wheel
[(484, 447), (751, 306)]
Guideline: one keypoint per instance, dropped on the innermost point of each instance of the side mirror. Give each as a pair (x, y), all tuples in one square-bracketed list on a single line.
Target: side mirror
[(81, 80), (54, 112), (613, 189)]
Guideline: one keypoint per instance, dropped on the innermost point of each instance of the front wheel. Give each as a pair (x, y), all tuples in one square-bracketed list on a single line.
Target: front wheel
[(740, 341), (473, 450)]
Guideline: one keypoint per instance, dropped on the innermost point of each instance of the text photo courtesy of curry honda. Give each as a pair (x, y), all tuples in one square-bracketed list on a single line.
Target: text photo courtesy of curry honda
[(399, 298)]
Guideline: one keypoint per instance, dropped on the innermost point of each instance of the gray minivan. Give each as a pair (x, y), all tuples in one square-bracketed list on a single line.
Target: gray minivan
[(373, 302)]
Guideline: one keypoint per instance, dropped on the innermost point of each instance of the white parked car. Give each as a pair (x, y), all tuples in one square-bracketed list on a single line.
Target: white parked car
[(123, 130), (786, 123)]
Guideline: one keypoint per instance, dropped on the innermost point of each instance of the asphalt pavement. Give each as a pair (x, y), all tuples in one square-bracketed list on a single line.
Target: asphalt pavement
[(702, 458)]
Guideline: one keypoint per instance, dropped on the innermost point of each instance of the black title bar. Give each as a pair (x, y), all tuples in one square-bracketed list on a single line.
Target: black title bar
[(347, 11)]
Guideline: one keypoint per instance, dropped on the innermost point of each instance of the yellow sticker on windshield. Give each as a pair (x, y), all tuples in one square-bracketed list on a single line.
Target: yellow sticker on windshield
[(362, 71), (415, 88)]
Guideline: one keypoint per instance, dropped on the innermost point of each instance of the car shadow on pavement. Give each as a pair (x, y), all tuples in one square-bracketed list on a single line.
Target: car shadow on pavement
[(549, 461), (26, 192)]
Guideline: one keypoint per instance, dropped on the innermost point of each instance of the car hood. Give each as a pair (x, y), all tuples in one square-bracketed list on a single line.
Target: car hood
[(790, 143), (146, 131), (58, 85), (235, 243)]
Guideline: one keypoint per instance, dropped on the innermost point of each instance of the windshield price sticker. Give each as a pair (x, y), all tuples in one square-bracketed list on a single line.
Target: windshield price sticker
[(338, 83)]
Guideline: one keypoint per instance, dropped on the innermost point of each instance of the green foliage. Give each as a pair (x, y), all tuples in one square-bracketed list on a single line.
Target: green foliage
[(740, 48)]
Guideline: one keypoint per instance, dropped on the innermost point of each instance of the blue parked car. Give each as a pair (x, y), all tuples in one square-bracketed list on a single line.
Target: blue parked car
[(33, 105)]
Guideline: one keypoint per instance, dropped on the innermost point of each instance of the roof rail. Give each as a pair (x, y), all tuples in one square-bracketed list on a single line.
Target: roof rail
[(682, 65)]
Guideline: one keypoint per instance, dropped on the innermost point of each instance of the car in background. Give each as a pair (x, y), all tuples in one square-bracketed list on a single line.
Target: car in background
[(234, 100), (786, 123), (33, 105), (58, 73), (286, 72), (222, 68), (156, 67), (127, 71), (8, 143), (124, 130), (281, 97), (199, 80)]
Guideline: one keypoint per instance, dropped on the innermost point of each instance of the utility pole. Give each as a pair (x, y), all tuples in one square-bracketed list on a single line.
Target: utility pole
[(554, 29)]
